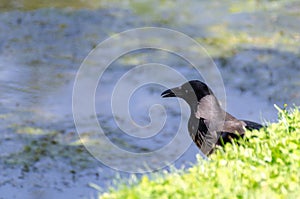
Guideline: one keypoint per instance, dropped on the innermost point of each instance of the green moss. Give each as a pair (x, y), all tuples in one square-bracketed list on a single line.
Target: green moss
[(4, 116), (255, 5), (266, 166), (30, 130), (37, 4), (225, 42), (40, 143)]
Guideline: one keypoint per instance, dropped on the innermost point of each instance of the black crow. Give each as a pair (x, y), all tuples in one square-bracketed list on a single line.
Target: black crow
[(209, 125)]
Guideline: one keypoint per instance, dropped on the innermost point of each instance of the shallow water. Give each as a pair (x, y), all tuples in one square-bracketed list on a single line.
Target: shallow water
[(40, 152)]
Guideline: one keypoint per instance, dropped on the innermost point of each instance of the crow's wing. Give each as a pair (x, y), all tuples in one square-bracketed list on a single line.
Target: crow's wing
[(228, 134), (252, 125)]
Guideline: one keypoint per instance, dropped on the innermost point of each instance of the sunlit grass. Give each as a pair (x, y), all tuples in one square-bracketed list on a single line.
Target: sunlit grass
[(266, 166)]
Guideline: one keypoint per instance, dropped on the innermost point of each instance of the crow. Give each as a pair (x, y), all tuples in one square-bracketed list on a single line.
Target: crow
[(209, 125)]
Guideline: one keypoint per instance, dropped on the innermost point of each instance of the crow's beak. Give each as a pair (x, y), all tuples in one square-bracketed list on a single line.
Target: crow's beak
[(168, 93)]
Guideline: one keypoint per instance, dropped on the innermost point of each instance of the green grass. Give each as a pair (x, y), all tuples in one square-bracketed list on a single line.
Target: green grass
[(266, 166)]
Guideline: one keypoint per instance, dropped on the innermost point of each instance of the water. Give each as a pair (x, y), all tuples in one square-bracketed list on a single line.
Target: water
[(41, 51)]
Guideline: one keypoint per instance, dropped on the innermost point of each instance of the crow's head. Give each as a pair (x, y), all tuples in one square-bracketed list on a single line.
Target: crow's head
[(191, 91)]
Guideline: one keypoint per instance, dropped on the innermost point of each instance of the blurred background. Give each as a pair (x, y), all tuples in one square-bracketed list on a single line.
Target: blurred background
[(254, 43)]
